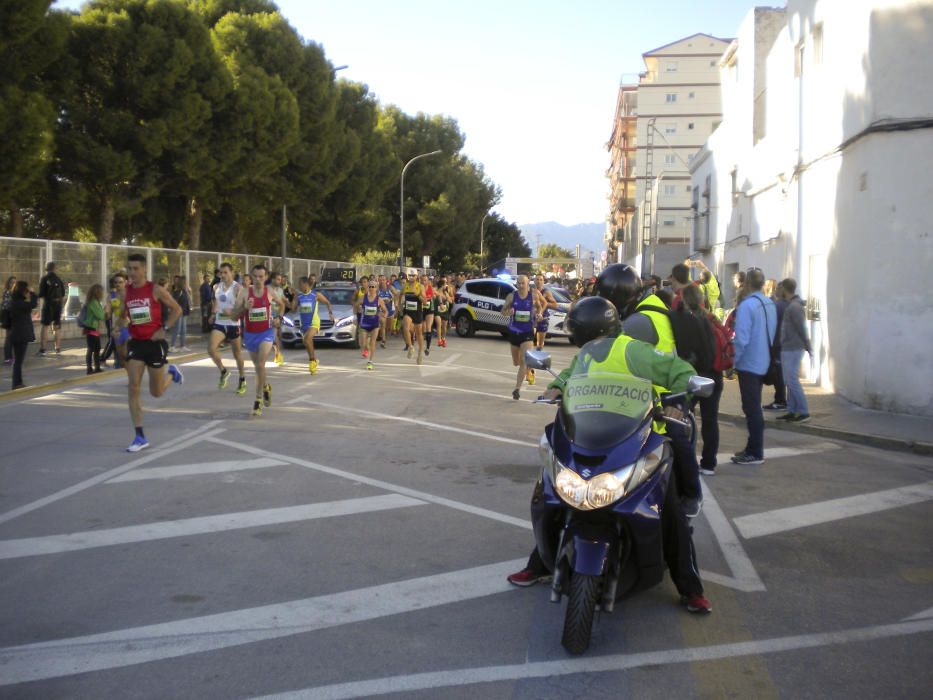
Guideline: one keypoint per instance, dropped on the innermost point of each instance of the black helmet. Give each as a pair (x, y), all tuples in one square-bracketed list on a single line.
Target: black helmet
[(591, 318), (621, 285)]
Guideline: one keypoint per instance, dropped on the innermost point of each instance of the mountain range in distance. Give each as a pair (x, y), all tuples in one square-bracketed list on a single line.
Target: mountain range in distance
[(589, 236)]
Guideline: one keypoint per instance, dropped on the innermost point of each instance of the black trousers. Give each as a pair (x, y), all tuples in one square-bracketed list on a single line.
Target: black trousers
[(92, 356), (7, 347), (709, 428), (685, 461), (19, 356)]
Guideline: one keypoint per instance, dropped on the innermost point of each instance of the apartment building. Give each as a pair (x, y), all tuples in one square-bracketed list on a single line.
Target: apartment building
[(621, 172), (678, 106), (819, 172)]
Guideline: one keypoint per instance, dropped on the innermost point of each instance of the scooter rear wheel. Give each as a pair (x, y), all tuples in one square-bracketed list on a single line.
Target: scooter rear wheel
[(578, 621)]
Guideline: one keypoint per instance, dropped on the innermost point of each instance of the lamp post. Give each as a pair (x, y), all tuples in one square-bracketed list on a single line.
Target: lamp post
[(401, 211), (482, 230)]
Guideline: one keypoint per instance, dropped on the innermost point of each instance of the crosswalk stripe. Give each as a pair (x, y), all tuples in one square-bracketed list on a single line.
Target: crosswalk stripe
[(196, 469), (95, 652), (57, 544), (795, 517)]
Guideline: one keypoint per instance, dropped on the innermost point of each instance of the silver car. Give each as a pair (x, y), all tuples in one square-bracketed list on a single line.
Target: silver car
[(340, 329)]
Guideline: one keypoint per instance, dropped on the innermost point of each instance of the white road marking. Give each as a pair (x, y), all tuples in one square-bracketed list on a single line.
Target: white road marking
[(179, 443), (378, 483), (416, 421), (56, 544), (744, 577), (923, 615), (196, 469), (453, 678), (439, 387), (438, 367), (120, 648), (782, 453), (795, 517)]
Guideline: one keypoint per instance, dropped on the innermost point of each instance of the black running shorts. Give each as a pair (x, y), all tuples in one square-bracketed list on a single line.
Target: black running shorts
[(153, 352)]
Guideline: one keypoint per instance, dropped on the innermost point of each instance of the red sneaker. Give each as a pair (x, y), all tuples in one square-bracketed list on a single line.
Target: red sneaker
[(527, 577), (697, 604)]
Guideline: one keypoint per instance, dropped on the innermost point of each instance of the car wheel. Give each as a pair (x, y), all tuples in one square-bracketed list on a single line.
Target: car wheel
[(464, 325), (570, 340)]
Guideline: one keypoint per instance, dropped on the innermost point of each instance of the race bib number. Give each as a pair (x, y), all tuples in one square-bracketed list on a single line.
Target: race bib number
[(614, 393), (523, 316), (411, 305), (258, 315), (223, 316), (140, 315), (306, 308), (442, 308), (370, 310)]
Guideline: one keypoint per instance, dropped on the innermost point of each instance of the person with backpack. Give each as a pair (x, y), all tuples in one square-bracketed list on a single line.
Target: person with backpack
[(52, 292), (89, 319), (755, 328)]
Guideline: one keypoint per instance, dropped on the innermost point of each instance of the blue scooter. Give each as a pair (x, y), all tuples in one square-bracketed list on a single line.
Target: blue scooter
[(596, 509)]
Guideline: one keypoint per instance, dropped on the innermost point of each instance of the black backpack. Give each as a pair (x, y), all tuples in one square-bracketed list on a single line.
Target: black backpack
[(694, 339)]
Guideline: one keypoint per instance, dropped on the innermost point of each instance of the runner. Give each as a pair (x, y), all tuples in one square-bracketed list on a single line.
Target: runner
[(147, 347), (306, 304), (277, 294), (229, 300), (522, 307), (548, 302), (372, 312), (414, 300), (259, 336), (442, 317), (429, 308), (388, 300)]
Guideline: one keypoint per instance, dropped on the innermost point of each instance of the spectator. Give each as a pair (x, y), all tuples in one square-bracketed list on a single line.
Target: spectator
[(680, 278), (755, 326), (794, 341), (94, 313), (52, 293), (7, 341), (181, 293), (205, 293), (709, 285), (709, 406), (773, 289), (22, 302)]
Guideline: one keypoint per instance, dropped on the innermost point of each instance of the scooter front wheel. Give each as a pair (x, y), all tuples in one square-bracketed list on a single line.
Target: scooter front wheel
[(578, 621)]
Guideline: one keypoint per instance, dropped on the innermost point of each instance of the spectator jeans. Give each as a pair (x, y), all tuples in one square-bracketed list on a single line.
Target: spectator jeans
[(790, 364), (180, 332), (750, 389), (709, 416)]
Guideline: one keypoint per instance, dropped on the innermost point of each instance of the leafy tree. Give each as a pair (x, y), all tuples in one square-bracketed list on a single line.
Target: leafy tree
[(502, 239), (552, 250)]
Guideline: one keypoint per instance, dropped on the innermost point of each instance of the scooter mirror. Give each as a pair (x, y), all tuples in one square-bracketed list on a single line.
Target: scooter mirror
[(537, 360), (700, 386)]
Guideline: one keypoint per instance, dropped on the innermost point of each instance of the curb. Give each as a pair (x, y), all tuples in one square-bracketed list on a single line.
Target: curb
[(51, 387), (888, 443)]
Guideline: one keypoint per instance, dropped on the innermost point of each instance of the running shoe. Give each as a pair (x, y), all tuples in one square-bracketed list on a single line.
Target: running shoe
[(267, 394), (279, 360), (8, 362), (746, 458), (41, 353), (531, 376), (369, 365), (139, 443), (58, 351), (697, 604), (224, 377), (420, 359), (527, 577), (411, 351), (312, 366), (171, 349), (257, 408), (241, 387), (708, 471), (775, 406), (365, 353), (177, 376), (427, 351), (382, 344), (516, 394)]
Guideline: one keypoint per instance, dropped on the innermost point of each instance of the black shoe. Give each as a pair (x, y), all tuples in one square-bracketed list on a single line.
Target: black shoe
[(800, 418), (789, 417), (746, 458), (775, 406), (691, 506), (516, 394), (708, 471)]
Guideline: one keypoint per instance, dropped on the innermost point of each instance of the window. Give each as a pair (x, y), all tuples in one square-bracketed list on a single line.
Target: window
[(691, 157), (712, 64), (667, 222), (670, 159), (670, 129), (670, 189), (483, 289), (691, 95), (690, 126), (688, 188), (670, 67), (670, 97), (818, 44)]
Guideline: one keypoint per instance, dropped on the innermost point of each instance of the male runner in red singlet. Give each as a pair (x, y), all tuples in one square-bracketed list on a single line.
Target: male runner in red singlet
[(147, 347)]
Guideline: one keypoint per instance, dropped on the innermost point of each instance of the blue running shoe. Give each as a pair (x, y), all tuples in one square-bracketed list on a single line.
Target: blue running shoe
[(177, 376), (139, 443)]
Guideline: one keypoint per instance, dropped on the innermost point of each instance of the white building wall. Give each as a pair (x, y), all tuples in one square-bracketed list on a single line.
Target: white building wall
[(852, 221)]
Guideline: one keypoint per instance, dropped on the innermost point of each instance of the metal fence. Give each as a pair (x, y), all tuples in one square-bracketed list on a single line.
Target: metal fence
[(81, 265)]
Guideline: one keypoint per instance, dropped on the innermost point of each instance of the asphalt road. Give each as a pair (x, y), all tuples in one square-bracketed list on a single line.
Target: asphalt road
[(354, 541)]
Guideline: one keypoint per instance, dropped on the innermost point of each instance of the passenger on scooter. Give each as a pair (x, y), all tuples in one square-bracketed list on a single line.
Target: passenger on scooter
[(594, 317)]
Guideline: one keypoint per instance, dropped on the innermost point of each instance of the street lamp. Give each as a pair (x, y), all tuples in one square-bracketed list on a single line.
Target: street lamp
[(482, 224), (401, 211)]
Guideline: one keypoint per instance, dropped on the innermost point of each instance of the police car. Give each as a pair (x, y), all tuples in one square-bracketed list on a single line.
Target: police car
[(340, 329), (478, 307)]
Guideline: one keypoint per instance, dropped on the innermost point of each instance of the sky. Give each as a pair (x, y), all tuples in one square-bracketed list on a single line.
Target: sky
[(532, 84)]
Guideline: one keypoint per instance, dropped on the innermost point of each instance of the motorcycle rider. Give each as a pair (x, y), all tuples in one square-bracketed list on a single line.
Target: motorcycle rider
[(595, 317), (645, 317)]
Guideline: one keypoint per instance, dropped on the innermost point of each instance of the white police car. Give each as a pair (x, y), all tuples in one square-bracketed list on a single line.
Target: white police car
[(478, 307)]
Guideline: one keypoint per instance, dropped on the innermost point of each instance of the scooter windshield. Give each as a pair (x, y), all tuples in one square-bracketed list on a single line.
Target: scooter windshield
[(601, 409)]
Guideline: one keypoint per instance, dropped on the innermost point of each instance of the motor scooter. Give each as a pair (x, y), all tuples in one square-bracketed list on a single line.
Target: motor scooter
[(596, 509)]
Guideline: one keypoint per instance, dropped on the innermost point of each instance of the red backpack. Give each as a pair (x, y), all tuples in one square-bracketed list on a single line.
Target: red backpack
[(724, 357)]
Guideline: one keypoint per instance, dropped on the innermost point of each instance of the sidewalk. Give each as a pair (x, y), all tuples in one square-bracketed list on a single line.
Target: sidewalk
[(832, 416), (45, 374)]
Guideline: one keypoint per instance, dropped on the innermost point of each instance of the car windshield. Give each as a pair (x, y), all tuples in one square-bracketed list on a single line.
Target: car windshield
[(602, 408), (339, 296), (560, 295)]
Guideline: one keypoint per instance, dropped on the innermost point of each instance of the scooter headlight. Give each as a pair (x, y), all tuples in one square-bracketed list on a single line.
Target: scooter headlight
[(571, 488), (608, 488)]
